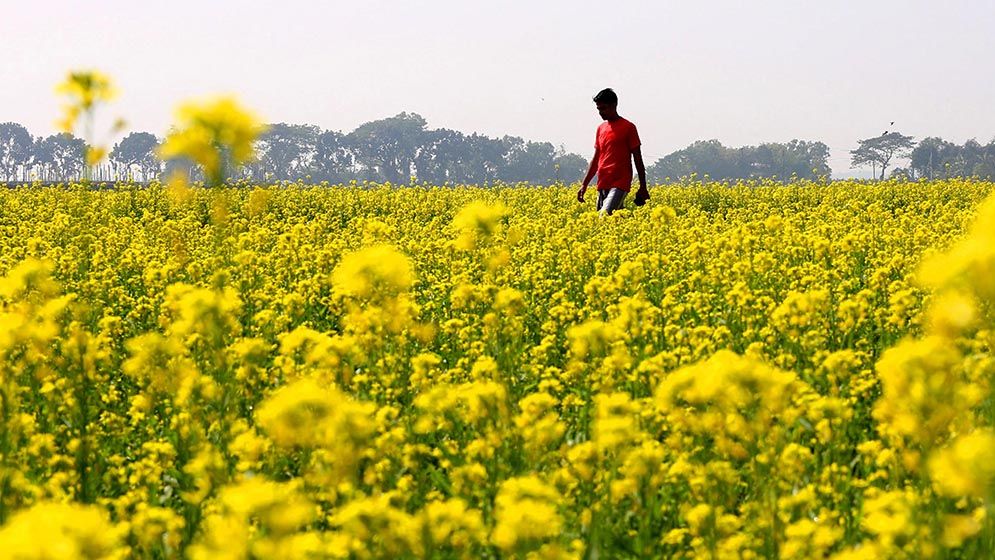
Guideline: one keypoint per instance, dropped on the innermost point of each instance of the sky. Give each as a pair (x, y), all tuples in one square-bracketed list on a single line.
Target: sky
[(737, 71)]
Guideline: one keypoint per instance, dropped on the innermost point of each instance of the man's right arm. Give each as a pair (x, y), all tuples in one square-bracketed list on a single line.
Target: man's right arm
[(591, 171)]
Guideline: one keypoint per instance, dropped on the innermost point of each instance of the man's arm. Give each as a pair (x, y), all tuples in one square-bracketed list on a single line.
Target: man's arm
[(591, 171), (637, 157)]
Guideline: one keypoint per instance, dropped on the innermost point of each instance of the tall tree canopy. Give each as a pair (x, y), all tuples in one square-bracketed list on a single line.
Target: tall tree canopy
[(137, 152), (286, 151), (881, 150), (62, 156), (388, 147), (937, 158), (333, 159), (15, 149)]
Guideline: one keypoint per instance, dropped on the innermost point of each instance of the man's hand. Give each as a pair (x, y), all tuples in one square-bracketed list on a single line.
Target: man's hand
[(580, 193), (642, 195)]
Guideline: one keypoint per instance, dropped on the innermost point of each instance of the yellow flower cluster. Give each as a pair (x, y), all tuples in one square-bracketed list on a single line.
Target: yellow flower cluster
[(734, 371), (84, 91), (216, 133)]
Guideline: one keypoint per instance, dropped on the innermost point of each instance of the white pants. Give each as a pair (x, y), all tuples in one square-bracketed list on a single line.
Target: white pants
[(610, 200)]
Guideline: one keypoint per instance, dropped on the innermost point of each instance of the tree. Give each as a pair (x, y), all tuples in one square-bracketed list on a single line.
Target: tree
[(387, 148), (704, 157), (63, 155), (880, 150), (671, 166), (137, 150), (930, 158), (569, 167), (484, 159), (798, 158), (936, 158), (986, 168), (812, 159), (979, 160), (286, 150), (449, 156), (333, 160), (901, 174), (442, 157), (528, 161), (15, 149)]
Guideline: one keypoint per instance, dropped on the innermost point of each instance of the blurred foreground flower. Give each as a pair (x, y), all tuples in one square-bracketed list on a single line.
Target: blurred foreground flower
[(478, 224), (85, 90), (375, 273), (966, 467), (217, 134), (53, 530)]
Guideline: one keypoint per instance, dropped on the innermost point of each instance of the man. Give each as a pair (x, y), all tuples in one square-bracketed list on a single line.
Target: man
[(616, 142)]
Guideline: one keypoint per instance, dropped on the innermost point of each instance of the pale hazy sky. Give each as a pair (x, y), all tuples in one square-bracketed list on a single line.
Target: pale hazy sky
[(741, 72)]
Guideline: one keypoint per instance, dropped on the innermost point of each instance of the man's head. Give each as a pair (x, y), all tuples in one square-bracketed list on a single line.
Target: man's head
[(607, 103)]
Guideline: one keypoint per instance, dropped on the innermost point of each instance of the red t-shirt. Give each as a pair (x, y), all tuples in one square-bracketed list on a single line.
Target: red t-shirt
[(615, 141)]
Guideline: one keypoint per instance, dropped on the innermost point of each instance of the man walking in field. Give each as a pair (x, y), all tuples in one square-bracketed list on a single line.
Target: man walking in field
[(615, 147)]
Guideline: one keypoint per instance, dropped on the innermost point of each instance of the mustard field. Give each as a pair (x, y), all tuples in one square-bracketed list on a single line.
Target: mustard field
[(292, 371)]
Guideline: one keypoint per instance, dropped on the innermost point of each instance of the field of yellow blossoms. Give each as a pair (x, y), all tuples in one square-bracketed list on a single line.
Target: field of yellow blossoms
[(293, 371)]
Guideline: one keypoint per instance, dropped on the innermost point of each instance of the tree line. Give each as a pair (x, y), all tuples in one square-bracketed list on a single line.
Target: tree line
[(401, 148), (930, 158), (798, 158), (394, 149)]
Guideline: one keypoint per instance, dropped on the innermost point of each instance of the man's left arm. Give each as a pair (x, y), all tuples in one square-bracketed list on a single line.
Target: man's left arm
[(637, 158)]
